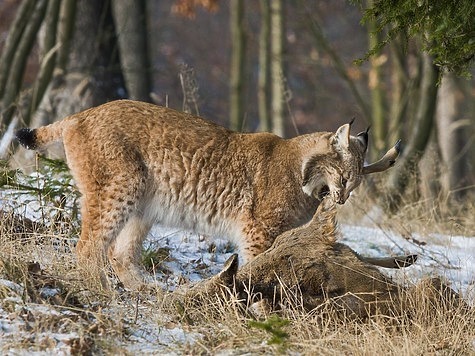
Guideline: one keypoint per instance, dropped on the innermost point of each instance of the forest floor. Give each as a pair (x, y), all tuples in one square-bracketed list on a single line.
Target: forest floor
[(47, 308)]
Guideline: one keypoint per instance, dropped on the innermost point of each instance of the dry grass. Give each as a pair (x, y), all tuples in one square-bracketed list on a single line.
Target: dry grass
[(441, 214), (48, 306), (428, 328), (83, 318)]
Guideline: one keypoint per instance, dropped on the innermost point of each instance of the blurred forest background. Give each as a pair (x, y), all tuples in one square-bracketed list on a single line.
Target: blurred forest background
[(267, 65)]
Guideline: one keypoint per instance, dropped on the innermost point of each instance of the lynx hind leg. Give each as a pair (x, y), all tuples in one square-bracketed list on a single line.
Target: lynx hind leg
[(125, 252), (91, 247), (91, 260), (105, 213), (106, 210), (112, 180)]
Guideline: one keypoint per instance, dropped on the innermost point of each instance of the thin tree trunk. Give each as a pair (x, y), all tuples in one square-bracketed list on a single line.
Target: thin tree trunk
[(428, 173), (265, 122), (238, 43), (451, 139), (423, 124), (378, 117), (338, 64), (47, 57), (130, 24), (401, 86), (13, 39), (67, 16), (18, 63), (467, 112), (277, 66)]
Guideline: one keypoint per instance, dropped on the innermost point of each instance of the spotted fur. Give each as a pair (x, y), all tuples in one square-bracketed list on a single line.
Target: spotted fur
[(136, 164)]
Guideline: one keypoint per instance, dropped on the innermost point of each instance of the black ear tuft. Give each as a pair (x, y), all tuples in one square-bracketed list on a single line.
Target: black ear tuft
[(27, 138), (363, 138), (398, 146)]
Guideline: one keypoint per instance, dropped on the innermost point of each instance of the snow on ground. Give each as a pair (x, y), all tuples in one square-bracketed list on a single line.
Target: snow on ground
[(451, 257), (192, 257)]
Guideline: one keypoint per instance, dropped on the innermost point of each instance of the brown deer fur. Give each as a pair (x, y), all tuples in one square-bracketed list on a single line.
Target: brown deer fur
[(308, 265)]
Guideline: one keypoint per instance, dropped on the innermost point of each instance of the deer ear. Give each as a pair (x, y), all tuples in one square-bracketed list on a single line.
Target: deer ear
[(341, 138), (227, 275)]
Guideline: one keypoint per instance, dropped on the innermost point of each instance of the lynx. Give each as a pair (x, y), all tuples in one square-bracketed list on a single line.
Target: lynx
[(136, 164)]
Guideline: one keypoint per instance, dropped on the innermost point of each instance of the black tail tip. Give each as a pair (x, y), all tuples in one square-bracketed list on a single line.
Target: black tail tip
[(398, 146), (27, 138)]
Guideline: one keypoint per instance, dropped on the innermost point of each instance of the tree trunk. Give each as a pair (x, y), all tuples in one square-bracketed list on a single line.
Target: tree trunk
[(49, 48), (13, 39), (450, 130), (401, 86), (277, 66), (378, 110), (65, 32), (90, 75), (18, 63), (422, 128), (238, 55), (130, 25), (265, 122), (429, 172), (467, 112)]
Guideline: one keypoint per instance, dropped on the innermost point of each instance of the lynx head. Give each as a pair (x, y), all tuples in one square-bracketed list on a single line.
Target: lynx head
[(338, 170)]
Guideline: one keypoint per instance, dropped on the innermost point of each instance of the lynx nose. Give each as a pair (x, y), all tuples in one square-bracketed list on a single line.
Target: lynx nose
[(338, 197)]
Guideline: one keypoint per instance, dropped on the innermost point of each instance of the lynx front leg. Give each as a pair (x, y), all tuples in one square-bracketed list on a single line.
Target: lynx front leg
[(256, 240)]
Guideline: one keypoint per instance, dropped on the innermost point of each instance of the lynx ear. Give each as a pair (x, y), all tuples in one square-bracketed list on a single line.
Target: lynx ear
[(341, 138), (363, 138)]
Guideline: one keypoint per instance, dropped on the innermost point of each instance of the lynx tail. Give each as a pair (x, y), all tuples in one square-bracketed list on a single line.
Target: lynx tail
[(27, 138), (33, 139)]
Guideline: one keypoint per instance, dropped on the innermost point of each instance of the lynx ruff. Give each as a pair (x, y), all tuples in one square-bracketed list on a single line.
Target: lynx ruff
[(136, 164)]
